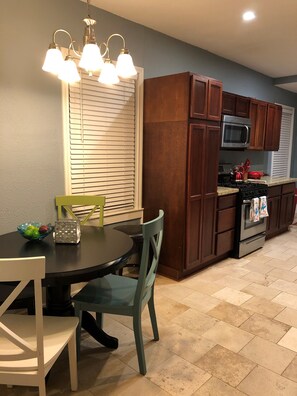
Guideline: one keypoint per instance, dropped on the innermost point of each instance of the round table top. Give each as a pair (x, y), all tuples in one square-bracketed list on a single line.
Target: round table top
[(100, 251)]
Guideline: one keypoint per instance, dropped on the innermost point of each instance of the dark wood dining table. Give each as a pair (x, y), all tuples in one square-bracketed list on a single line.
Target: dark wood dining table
[(100, 251)]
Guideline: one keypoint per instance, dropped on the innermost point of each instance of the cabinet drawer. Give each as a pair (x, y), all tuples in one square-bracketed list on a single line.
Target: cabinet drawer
[(227, 201), (225, 242), (274, 191), (288, 188), (226, 219)]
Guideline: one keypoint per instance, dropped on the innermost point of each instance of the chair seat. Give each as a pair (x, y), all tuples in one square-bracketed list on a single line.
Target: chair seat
[(112, 290), (57, 331)]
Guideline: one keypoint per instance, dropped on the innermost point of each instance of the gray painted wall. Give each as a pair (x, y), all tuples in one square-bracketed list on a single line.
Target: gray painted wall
[(31, 160)]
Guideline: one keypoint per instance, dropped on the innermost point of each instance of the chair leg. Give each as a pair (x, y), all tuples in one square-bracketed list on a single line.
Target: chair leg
[(99, 319), (78, 313), (139, 343), (151, 307), (72, 362), (41, 387)]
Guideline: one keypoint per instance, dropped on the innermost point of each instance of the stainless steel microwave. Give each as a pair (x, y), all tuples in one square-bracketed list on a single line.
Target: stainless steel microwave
[(236, 132)]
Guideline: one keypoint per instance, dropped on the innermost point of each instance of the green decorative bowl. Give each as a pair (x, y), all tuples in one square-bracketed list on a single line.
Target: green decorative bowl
[(34, 231)]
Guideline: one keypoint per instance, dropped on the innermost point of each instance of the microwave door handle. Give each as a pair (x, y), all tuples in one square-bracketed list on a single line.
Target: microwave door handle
[(247, 134)]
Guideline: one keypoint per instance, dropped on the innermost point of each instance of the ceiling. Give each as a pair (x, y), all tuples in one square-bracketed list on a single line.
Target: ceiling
[(268, 44)]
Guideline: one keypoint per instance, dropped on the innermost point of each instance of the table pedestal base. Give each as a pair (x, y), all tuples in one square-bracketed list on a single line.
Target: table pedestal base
[(59, 303)]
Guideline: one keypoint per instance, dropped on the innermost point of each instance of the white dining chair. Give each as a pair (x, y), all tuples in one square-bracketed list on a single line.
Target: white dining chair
[(31, 344)]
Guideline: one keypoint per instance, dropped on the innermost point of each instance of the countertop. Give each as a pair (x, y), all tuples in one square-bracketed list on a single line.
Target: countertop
[(227, 191), (270, 181), (275, 181)]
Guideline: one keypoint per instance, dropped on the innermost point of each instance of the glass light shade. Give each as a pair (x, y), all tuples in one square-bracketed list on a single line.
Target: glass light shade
[(68, 72), (91, 59), (53, 61), (108, 74), (125, 67)]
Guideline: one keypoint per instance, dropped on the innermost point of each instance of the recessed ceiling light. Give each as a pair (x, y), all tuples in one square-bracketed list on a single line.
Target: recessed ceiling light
[(248, 16)]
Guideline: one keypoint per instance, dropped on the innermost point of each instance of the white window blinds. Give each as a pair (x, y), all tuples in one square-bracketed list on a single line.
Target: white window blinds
[(104, 142), (281, 159)]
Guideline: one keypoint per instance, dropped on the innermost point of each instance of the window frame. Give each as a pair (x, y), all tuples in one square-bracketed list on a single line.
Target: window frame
[(116, 216)]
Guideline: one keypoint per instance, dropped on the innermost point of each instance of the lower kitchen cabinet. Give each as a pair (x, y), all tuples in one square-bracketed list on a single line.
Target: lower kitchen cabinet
[(280, 208), (287, 206), (226, 213)]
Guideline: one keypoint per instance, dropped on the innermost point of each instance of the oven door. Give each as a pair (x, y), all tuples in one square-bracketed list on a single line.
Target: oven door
[(249, 228)]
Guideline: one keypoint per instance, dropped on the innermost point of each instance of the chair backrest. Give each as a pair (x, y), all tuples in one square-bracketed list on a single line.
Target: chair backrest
[(152, 241), (88, 203), (22, 270)]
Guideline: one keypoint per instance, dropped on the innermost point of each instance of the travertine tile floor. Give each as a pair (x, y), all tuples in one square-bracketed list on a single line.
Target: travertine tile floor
[(230, 329)]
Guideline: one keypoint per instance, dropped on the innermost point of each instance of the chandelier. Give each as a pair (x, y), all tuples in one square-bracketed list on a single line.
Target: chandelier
[(90, 59)]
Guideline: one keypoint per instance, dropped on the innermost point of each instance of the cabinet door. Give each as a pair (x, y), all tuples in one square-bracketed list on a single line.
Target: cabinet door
[(286, 211), (228, 103), (273, 127), (211, 163), (258, 112), (209, 205), (273, 205), (214, 103), (242, 107), (225, 242), (194, 194), (235, 105), (203, 152), (209, 200), (199, 94)]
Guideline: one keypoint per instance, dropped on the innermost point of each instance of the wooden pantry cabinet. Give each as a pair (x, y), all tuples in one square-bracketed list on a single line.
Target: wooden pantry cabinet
[(180, 164)]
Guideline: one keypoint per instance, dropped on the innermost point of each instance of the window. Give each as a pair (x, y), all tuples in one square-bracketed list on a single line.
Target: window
[(103, 143), (281, 159)]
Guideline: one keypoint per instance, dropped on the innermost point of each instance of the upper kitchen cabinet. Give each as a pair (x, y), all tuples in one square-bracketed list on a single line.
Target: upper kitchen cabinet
[(235, 105), (181, 140), (206, 98), (182, 96), (258, 114), (266, 125), (273, 127)]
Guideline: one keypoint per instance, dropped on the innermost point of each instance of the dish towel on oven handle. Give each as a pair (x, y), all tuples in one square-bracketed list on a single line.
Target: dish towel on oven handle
[(263, 212), (254, 210)]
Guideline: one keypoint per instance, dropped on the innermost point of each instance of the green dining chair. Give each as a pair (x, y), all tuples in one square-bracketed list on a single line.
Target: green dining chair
[(119, 295), (135, 232), (67, 202)]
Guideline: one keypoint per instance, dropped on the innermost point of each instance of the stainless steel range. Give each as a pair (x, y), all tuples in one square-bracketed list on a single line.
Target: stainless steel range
[(249, 234)]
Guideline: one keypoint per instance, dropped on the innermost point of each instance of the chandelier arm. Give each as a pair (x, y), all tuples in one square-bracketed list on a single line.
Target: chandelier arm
[(106, 50), (116, 35), (71, 45)]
